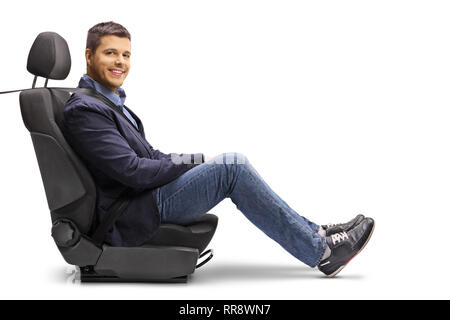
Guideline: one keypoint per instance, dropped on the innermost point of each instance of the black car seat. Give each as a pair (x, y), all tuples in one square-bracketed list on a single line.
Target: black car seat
[(169, 256)]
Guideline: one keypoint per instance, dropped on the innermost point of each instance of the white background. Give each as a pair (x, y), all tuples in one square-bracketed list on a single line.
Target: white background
[(342, 107)]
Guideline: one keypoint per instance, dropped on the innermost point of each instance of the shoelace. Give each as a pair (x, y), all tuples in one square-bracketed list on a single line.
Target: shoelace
[(332, 225), (338, 237)]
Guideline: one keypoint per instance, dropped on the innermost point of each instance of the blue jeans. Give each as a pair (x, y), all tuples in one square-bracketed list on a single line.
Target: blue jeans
[(230, 175)]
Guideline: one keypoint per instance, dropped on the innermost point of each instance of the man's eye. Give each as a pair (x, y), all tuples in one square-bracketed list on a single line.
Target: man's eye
[(126, 55)]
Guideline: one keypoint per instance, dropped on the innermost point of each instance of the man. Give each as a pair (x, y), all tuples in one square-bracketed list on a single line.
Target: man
[(110, 140)]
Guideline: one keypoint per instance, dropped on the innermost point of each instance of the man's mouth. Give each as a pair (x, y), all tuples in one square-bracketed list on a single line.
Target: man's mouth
[(117, 73)]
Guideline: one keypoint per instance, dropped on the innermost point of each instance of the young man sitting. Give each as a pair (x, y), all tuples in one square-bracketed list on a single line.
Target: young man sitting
[(179, 188)]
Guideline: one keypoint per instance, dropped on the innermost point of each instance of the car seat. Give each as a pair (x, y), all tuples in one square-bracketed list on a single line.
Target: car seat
[(171, 255)]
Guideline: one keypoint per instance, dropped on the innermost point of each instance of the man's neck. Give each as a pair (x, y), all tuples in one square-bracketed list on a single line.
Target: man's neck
[(93, 77)]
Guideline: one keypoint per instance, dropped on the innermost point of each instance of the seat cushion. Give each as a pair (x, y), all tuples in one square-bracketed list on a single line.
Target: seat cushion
[(197, 234)]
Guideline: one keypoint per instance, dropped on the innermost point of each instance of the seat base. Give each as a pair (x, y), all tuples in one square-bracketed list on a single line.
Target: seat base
[(143, 264), (90, 276)]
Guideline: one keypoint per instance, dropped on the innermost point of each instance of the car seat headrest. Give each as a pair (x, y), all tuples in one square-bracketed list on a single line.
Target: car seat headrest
[(49, 57)]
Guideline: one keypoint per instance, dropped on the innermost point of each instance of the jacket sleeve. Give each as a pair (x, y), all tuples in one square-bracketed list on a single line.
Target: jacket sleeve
[(95, 138)]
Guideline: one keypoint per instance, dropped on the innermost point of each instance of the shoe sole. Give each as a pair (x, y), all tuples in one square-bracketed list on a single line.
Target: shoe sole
[(343, 266)]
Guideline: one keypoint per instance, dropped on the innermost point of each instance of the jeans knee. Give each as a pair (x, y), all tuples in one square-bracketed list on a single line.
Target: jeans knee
[(230, 163), (228, 166)]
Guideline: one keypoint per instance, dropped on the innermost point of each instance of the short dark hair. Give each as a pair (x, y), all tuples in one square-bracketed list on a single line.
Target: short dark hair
[(104, 29)]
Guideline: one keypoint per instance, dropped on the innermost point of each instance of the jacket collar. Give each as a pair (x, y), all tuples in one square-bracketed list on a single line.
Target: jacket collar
[(88, 82)]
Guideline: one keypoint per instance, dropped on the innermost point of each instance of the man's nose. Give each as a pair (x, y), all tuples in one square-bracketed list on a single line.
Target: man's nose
[(120, 60)]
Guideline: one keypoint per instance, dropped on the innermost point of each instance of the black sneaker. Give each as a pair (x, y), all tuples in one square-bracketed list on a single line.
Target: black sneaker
[(342, 227), (345, 246)]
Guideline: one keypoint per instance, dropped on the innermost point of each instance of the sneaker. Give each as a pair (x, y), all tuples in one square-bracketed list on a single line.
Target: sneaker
[(342, 227), (345, 246)]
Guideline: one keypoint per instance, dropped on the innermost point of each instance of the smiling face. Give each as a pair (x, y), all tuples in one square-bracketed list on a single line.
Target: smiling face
[(110, 63)]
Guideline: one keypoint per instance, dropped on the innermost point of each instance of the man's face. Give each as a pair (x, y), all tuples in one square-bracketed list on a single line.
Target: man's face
[(110, 63)]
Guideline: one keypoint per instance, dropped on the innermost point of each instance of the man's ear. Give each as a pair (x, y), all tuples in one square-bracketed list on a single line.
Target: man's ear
[(89, 56)]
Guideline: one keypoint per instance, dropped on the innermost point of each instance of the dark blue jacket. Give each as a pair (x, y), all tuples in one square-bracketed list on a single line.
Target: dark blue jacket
[(120, 160)]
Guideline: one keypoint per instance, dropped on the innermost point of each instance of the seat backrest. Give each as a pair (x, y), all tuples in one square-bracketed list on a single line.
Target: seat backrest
[(69, 187)]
